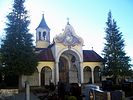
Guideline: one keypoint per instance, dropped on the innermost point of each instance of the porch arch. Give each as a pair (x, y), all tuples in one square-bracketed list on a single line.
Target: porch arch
[(69, 67), (97, 74), (46, 75), (87, 74), (73, 50)]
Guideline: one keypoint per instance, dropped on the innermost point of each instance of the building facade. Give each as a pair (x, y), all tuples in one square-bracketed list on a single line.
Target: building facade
[(64, 59)]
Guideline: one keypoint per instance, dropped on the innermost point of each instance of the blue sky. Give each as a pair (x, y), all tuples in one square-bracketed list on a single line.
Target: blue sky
[(88, 18)]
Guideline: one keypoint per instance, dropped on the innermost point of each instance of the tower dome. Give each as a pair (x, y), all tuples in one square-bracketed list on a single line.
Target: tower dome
[(42, 34)]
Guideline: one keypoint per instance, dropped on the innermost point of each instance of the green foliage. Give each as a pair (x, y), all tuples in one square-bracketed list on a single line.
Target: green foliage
[(72, 98), (117, 63), (1, 68), (17, 50)]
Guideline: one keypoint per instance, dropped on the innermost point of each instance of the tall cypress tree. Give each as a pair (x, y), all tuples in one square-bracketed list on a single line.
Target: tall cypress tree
[(117, 63), (17, 50)]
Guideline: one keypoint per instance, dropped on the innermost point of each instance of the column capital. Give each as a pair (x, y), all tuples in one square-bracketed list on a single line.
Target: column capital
[(92, 69)]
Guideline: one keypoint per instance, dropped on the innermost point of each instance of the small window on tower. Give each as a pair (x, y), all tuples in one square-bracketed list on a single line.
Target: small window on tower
[(39, 35), (44, 35)]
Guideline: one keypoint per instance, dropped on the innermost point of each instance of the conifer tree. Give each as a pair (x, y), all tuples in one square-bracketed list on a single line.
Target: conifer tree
[(117, 63), (17, 49), (1, 69)]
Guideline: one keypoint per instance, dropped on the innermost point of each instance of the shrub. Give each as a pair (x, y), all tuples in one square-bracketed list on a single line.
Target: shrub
[(72, 98)]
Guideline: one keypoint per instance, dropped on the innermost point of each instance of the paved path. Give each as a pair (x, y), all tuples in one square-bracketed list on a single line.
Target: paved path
[(129, 98), (21, 96)]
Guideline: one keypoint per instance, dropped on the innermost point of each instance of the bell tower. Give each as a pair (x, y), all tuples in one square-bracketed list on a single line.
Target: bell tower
[(42, 34)]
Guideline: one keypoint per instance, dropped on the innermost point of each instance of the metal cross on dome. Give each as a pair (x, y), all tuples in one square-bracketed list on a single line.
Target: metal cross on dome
[(67, 20), (42, 12)]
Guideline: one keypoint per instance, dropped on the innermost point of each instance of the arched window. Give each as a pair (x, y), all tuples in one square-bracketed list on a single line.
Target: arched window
[(39, 36), (44, 35)]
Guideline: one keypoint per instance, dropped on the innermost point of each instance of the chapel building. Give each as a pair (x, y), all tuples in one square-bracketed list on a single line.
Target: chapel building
[(64, 59)]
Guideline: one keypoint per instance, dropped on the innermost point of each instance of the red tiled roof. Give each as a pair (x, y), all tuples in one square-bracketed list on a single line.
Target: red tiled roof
[(91, 56), (44, 54)]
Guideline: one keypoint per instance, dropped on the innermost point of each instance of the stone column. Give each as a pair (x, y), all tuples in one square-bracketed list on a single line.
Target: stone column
[(27, 86), (92, 74), (81, 72), (57, 73), (53, 75), (108, 96), (39, 78)]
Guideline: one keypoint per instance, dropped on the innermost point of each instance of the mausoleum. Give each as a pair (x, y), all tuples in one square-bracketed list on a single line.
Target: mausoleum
[(63, 59)]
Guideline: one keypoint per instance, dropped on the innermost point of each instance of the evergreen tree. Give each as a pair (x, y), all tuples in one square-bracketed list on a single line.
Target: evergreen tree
[(1, 68), (117, 63), (17, 49)]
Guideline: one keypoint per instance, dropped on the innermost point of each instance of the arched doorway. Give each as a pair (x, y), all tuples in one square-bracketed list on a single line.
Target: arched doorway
[(46, 75), (87, 74), (69, 67), (63, 70), (97, 74)]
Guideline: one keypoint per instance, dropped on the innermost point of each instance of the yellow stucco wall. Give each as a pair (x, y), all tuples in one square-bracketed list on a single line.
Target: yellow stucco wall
[(92, 65), (42, 44), (42, 64)]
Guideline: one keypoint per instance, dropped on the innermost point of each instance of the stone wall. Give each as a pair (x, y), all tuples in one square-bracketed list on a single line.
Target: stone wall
[(7, 92), (32, 79)]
